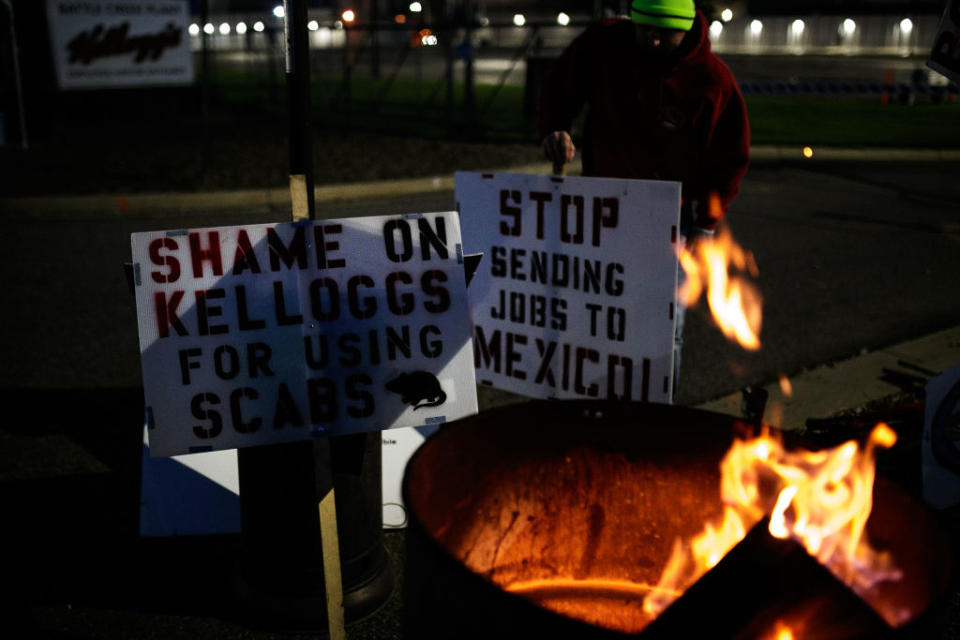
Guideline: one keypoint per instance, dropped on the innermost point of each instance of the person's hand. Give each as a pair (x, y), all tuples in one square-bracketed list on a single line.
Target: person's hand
[(558, 148)]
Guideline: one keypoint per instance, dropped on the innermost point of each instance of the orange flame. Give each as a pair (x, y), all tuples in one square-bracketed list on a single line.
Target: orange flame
[(717, 264), (822, 499)]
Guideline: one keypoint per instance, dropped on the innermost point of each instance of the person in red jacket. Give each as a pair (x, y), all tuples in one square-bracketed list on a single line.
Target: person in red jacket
[(660, 106)]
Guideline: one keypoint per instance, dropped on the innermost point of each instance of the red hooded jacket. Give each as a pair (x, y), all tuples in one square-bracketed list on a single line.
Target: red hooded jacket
[(683, 119)]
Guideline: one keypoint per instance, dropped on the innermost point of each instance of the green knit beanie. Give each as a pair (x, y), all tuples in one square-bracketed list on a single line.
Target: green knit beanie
[(666, 14)]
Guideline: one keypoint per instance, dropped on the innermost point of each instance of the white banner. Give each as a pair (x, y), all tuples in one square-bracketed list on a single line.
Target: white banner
[(945, 53), (120, 43), (576, 293), (941, 440), (258, 334)]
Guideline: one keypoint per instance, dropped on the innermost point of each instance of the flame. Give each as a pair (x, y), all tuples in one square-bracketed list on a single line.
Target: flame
[(717, 264), (821, 499)]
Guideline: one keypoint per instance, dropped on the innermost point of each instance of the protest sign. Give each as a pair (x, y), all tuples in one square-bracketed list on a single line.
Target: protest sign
[(259, 334), (575, 296), (945, 54), (120, 43), (941, 440)]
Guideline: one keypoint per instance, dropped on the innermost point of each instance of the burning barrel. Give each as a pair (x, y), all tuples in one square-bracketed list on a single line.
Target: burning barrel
[(577, 518)]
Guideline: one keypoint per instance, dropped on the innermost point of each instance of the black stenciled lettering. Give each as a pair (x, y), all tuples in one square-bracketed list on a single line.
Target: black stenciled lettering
[(486, 354), (406, 303), (576, 202), (584, 355), (430, 348), (513, 356), (205, 311), (201, 412), (322, 397), (226, 362), (498, 263), (606, 215), (390, 229), (324, 246), (427, 283), (187, 362), (287, 254), (398, 341), (369, 307), (350, 354), (258, 359), (320, 311), (511, 211), (236, 412), (166, 312), (316, 351), (355, 391), (541, 198), (280, 307), (433, 238), (244, 323)]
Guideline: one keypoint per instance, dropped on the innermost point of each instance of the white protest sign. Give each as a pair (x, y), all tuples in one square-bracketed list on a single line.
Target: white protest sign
[(575, 295), (941, 440), (259, 334), (120, 43), (945, 54)]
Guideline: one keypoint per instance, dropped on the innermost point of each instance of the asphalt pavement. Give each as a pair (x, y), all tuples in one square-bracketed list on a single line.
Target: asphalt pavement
[(858, 259)]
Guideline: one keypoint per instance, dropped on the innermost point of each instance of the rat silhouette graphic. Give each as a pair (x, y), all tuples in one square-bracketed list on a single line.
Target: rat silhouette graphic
[(418, 386)]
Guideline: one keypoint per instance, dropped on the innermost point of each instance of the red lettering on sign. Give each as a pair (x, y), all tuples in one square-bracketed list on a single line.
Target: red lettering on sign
[(199, 255), (169, 261)]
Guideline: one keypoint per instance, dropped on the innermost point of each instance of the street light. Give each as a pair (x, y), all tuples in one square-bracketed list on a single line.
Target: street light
[(519, 20), (209, 29), (194, 29), (224, 29), (563, 19), (258, 26), (906, 26), (313, 25), (797, 27), (348, 16), (849, 26), (756, 27), (278, 11), (241, 28), (726, 15), (716, 28), (415, 7)]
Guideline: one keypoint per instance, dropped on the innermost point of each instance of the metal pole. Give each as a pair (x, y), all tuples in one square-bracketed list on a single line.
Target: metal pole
[(16, 77)]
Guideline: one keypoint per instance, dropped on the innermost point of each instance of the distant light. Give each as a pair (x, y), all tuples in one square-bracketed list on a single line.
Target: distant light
[(258, 26), (400, 18), (194, 29), (906, 26), (797, 27), (415, 7), (313, 25), (278, 11), (807, 152), (716, 28), (348, 16), (756, 27), (849, 26), (224, 28), (726, 15), (241, 28), (563, 19), (484, 21), (519, 20), (209, 29)]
